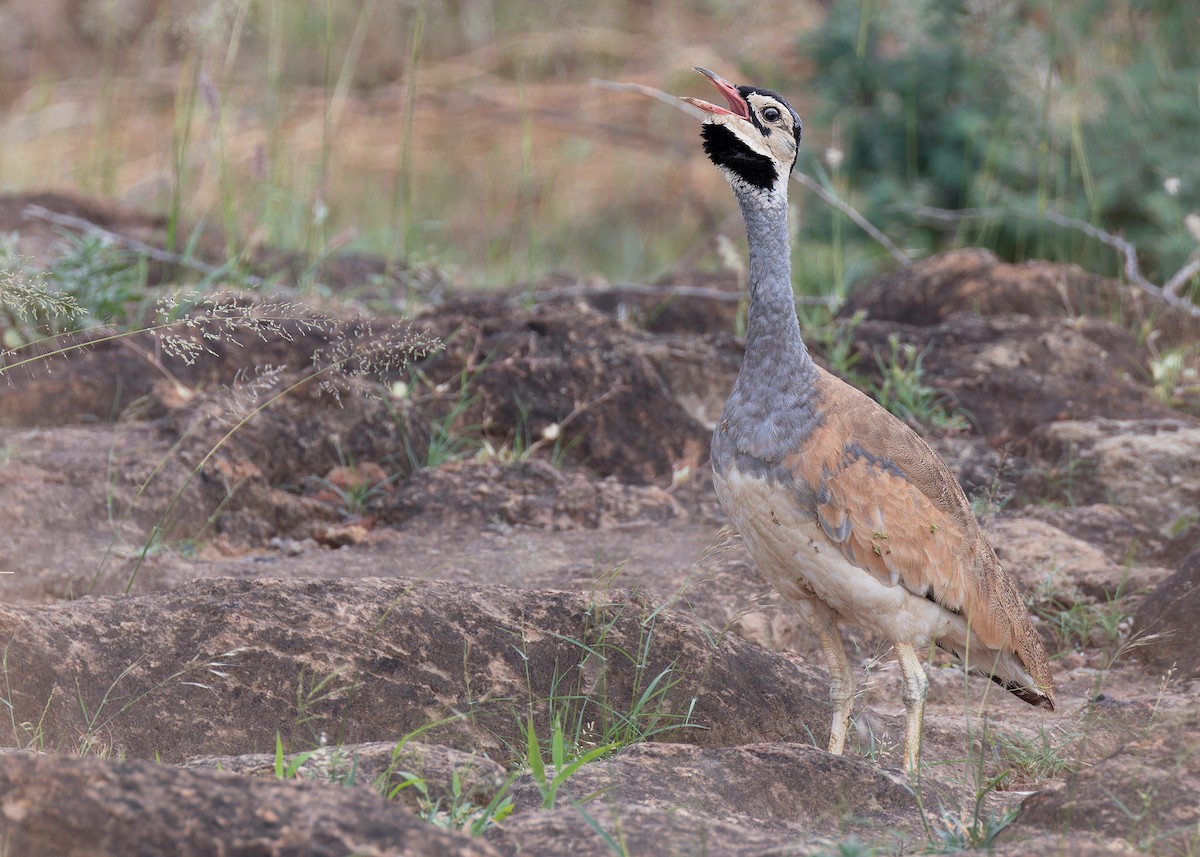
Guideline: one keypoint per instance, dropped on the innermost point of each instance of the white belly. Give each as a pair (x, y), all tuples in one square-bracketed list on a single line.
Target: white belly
[(799, 560)]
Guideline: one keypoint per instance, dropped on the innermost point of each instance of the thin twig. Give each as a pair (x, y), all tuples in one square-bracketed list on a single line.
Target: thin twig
[(1132, 270), (649, 92), (822, 192), (79, 224), (1182, 276), (579, 410), (830, 198)]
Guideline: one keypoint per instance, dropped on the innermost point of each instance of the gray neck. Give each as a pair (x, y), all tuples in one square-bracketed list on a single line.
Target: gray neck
[(773, 404)]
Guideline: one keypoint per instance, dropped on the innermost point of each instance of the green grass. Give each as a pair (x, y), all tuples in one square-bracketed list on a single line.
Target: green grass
[(100, 711), (1031, 761), (903, 392), (586, 723), (1081, 624), (54, 315), (360, 495), (549, 777), (952, 833), (444, 436), (581, 702)]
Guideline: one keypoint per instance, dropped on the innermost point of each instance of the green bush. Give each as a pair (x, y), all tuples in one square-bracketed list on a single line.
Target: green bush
[(1087, 108)]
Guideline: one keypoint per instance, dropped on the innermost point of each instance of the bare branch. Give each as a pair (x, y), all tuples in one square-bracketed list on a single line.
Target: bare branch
[(1182, 276), (829, 198), (579, 410), (79, 224), (1132, 270), (823, 193), (649, 92)]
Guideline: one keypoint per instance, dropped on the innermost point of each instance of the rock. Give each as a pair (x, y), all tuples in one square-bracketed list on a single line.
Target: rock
[(357, 478), (1116, 530), (1073, 844), (1107, 724), (1060, 570), (642, 830), (91, 807), (1180, 545), (227, 664), (764, 786), (382, 766), (341, 535), (1168, 618), (1151, 465), (1147, 795)]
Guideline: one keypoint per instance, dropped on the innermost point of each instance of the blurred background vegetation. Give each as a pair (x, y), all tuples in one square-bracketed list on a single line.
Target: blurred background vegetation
[(467, 135)]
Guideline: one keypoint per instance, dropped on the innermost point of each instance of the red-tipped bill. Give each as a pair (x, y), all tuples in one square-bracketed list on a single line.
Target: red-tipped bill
[(737, 104)]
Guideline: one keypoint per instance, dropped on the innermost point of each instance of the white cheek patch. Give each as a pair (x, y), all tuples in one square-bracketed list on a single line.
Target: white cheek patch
[(779, 145)]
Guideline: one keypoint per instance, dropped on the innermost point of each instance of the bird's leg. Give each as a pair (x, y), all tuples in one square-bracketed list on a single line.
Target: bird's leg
[(916, 683), (841, 683)]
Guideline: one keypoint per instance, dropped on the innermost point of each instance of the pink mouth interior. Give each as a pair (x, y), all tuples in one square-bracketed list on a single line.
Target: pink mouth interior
[(737, 105)]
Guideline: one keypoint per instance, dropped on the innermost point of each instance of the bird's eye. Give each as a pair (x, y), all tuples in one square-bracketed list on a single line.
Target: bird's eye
[(771, 114)]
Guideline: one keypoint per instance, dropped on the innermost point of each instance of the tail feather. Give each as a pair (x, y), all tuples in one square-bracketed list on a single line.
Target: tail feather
[(1004, 669)]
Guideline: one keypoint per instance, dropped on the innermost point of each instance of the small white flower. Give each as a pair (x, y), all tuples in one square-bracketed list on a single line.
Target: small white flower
[(728, 253), (1171, 186), (1192, 223), (552, 431), (834, 157)]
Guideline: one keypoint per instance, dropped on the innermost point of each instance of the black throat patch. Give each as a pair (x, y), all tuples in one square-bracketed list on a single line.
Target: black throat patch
[(725, 150)]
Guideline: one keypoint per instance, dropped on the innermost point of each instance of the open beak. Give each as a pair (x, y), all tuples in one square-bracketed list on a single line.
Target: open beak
[(737, 104)]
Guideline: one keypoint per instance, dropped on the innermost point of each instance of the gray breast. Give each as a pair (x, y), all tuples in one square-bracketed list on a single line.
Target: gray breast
[(730, 453)]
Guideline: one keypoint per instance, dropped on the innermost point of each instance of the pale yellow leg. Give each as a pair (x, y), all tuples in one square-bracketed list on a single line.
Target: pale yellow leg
[(916, 683), (841, 685)]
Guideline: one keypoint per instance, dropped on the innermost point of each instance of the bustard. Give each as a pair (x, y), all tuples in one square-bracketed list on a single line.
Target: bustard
[(846, 511)]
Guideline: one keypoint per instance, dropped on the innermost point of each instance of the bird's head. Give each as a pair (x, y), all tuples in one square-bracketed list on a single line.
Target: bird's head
[(755, 142)]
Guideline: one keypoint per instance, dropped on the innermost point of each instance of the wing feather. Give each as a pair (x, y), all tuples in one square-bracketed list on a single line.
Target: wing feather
[(894, 509)]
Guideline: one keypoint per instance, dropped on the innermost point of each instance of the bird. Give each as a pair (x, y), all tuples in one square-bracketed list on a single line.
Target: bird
[(845, 509)]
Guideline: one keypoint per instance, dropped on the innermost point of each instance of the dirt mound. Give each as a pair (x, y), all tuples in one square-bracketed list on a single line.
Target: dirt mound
[(930, 291), (74, 807), (100, 379), (1169, 615), (221, 666), (726, 783), (678, 303), (627, 403), (1020, 347), (529, 493), (558, 441), (1148, 794), (1014, 375)]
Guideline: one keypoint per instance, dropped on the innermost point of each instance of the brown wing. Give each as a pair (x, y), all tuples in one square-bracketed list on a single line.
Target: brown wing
[(896, 510)]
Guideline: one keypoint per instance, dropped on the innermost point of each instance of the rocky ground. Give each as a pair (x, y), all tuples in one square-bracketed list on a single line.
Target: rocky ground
[(286, 599)]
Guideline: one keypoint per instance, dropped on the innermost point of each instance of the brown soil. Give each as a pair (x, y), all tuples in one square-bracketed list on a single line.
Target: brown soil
[(526, 516)]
